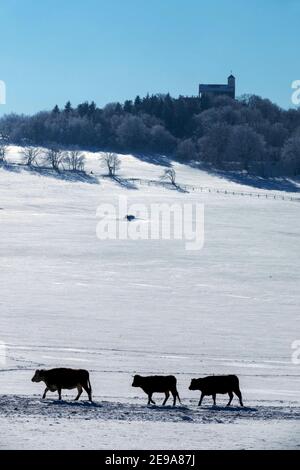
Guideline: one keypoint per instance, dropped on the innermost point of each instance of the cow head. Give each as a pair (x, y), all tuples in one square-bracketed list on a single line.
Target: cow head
[(136, 381), (38, 376), (195, 384)]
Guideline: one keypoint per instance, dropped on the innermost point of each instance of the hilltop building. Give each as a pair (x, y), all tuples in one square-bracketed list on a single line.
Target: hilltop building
[(215, 90)]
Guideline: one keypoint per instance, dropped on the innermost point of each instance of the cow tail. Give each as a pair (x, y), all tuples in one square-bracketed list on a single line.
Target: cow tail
[(177, 394)]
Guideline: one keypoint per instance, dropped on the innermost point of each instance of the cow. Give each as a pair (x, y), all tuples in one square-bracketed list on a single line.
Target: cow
[(62, 378), (217, 384), (159, 384)]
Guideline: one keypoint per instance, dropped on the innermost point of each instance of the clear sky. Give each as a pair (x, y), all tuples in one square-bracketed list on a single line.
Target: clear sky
[(52, 51)]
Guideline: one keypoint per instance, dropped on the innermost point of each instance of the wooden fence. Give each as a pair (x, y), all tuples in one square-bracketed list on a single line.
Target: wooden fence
[(207, 189)]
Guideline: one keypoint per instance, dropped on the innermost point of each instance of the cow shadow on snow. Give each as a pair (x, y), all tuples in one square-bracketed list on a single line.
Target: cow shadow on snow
[(203, 408), (242, 409), (73, 404), (168, 408)]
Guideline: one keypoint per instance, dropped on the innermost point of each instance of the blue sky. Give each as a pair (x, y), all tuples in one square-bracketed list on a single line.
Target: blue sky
[(111, 50)]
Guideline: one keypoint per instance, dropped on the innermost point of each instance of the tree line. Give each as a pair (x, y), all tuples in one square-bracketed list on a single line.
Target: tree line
[(250, 133), (59, 160), (52, 157)]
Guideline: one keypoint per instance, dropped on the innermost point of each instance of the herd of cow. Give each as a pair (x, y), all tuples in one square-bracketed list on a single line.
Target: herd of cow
[(63, 378)]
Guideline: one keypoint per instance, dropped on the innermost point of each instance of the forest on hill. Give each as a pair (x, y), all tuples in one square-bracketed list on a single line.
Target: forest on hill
[(250, 133)]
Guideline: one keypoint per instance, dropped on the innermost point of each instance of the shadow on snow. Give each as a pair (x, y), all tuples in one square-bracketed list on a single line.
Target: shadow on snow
[(64, 175)]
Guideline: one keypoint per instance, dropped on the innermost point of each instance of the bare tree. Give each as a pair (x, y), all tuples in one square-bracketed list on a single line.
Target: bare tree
[(54, 157), (75, 160), (3, 147), (112, 162), (30, 155), (170, 175), (3, 152)]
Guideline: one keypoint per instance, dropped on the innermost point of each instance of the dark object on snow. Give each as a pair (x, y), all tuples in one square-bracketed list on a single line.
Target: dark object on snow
[(57, 379), (130, 217), (157, 383), (217, 384)]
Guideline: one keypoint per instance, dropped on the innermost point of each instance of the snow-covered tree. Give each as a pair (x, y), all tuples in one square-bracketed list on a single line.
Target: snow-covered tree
[(75, 160), (291, 155), (54, 157), (245, 146), (30, 155), (3, 147), (170, 175), (112, 162)]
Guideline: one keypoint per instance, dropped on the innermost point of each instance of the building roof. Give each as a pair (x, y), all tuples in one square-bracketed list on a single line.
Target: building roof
[(208, 87)]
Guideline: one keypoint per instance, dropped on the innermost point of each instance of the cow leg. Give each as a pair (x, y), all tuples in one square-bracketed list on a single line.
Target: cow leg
[(174, 393), (167, 396), (79, 388), (201, 398), (150, 399), (59, 393), (230, 398), (46, 390), (214, 399), (88, 391), (239, 395)]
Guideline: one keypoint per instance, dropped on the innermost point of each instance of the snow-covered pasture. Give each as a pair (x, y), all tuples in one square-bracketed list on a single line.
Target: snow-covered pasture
[(120, 307)]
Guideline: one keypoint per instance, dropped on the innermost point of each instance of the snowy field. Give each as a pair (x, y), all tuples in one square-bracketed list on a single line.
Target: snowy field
[(120, 307)]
